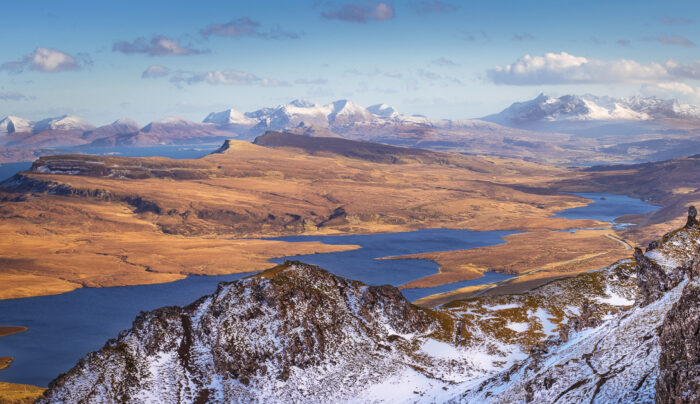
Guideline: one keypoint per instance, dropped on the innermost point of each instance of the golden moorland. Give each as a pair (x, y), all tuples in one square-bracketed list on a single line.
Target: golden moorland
[(95, 221)]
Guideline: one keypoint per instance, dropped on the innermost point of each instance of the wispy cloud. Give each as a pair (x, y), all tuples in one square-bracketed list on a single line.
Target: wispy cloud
[(158, 45), (525, 36), (441, 61), (434, 6), (245, 27), (15, 96), (47, 60), (671, 40), (432, 76), (676, 21), (225, 77), (623, 42), (470, 36), (362, 12), (155, 71), (318, 81)]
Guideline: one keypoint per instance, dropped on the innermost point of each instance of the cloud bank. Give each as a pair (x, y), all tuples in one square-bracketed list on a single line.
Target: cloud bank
[(564, 68)]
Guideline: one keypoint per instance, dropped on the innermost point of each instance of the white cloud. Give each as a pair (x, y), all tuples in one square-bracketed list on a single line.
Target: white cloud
[(45, 60), (155, 71), (674, 89), (564, 68)]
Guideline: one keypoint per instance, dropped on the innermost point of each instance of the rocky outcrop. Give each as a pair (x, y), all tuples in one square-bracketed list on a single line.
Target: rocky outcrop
[(679, 363), (253, 339)]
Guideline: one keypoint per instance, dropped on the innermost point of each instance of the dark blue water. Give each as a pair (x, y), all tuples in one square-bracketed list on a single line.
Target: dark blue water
[(362, 264), (63, 328), (7, 170), (607, 207)]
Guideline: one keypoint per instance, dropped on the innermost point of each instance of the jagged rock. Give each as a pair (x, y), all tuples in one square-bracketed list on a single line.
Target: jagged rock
[(653, 245), (233, 345), (679, 363), (692, 214)]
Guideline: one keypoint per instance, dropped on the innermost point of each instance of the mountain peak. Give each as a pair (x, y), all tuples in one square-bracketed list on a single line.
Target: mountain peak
[(15, 124), (302, 103), (229, 117), (383, 110)]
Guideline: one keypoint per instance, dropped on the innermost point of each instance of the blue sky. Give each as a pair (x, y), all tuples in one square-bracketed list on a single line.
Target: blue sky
[(443, 59)]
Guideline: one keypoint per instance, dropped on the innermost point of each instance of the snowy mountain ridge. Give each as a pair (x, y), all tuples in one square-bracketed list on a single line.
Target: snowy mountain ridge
[(591, 108)]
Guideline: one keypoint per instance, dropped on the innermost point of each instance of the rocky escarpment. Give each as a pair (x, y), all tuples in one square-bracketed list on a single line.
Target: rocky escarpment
[(295, 333), (119, 167), (292, 332)]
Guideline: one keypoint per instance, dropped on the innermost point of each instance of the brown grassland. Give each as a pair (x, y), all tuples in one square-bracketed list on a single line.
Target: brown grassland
[(124, 221), (160, 220)]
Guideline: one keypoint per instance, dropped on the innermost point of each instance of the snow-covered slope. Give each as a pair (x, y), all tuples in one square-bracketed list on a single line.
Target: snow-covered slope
[(13, 124), (383, 110), (296, 333), (229, 117), (65, 123), (592, 108)]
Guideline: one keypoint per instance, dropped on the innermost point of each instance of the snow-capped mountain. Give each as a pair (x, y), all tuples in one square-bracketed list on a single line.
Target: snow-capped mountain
[(65, 122), (335, 115), (14, 124), (229, 117), (573, 108), (119, 127), (296, 333), (384, 111)]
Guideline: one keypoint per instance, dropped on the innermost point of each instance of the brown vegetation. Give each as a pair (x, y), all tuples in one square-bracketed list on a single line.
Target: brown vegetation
[(11, 393), (121, 221)]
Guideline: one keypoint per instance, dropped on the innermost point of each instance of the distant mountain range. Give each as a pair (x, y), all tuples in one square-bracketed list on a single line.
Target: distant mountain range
[(544, 128)]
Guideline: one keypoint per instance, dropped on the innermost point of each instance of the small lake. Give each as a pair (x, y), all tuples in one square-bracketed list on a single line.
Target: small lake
[(362, 264), (63, 328), (607, 207), (7, 170)]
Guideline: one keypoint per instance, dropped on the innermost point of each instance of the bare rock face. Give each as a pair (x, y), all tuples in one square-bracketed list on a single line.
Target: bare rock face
[(653, 279), (679, 363)]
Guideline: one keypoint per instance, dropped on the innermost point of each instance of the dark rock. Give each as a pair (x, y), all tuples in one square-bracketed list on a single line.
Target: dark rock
[(692, 214), (679, 363), (652, 280), (653, 245)]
